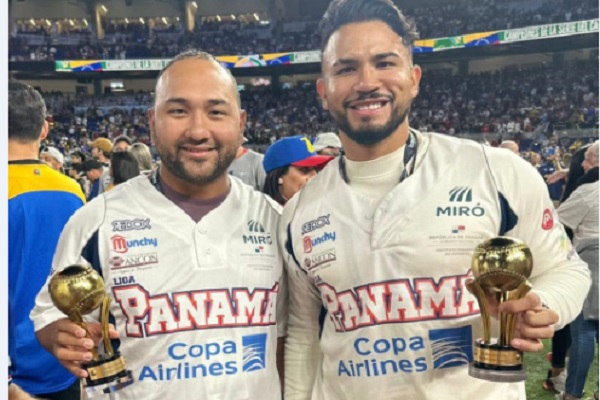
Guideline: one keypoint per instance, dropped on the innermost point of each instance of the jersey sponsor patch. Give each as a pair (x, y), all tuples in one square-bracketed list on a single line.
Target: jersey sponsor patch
[(547, 220), (315, 224), (121, 244), (438, 349), (184, 360), (137, 224)]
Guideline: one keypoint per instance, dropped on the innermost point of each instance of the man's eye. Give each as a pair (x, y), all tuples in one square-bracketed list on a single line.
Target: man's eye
[(176, 111), (344, 71)]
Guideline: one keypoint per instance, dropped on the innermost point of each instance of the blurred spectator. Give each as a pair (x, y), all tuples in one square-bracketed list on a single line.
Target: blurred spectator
[(123, 167), (290, 163), (121, 143), (248, 166), (94, 170), (328, 144), (142, 154), (53, 157), (510, 145)]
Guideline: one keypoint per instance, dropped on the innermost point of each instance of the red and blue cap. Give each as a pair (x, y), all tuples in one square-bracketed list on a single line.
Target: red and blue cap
[(294, 150)]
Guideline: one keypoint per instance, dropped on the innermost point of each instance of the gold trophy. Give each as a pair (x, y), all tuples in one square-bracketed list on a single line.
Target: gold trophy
[(77, 291), (501, 267)]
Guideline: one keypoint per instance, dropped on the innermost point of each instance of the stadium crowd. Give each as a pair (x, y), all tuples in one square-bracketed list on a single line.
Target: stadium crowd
[(136, 40), (514, 103)]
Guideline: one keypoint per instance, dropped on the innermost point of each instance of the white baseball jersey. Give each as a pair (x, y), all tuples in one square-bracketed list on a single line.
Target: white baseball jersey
[(194, 303), (399, 322)]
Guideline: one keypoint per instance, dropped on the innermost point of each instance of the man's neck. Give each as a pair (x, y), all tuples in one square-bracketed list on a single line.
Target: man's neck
[(358, 152), (198, 191), (23, 151)]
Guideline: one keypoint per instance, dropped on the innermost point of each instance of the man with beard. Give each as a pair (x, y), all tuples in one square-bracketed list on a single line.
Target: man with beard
[(187, 254), (381, 241)]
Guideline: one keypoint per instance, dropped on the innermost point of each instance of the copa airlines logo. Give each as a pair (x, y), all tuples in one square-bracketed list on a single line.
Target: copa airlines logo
[(372, 357), (148, 315), (461, 194), (398, 301), (211, 358)]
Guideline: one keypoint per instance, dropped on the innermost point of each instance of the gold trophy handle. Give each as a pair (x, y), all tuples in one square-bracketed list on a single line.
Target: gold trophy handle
[(511, 319), (75, 317), (105, 326), (476, 290)]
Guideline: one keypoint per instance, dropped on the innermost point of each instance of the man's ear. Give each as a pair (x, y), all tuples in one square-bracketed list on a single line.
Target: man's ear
[(321, 92), (44, 131)]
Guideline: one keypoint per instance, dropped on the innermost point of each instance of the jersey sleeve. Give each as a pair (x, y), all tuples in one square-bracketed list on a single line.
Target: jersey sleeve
[(73, 239), (573, 211), (261, 175), (559, 277), (302, 350)]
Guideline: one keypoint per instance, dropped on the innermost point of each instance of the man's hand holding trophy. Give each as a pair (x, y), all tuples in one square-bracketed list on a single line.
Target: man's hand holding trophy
[(501, 267), (77, 291)]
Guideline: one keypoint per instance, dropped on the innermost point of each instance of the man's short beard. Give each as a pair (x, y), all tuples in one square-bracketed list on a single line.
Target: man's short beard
[(371, 135), (177, 167)]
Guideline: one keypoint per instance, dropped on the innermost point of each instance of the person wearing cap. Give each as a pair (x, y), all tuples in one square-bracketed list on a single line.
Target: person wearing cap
[(53, 157), (94, 170), (77, 157), (121, 143), (101, 150), (328, 144), (290, 163)]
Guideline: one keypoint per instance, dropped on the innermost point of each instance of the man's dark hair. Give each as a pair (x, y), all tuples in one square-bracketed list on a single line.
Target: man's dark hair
[(123, 166), (201, 55), (26, 112), (342, 12), (272, 186)]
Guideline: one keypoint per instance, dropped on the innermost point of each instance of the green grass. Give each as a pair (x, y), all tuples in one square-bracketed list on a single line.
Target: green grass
[(537, 368)]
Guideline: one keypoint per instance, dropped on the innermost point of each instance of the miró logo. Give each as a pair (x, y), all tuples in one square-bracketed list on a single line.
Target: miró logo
[(258, 234), (461, 194)]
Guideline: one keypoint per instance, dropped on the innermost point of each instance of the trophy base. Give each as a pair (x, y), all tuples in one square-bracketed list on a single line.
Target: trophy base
[(106, 375), (496, 363)]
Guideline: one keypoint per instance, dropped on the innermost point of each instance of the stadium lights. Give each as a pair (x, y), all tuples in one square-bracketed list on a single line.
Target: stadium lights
[(195, 4), (164, 20), (104, 8), (126, 20), (233, 17), (85, 22), (142, 20), (218, 18), (256, 17), (71, 22), (32, 21), (48, 22)]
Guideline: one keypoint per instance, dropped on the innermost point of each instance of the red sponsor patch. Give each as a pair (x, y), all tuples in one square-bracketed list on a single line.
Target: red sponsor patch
[(307, 244), (547, 220)]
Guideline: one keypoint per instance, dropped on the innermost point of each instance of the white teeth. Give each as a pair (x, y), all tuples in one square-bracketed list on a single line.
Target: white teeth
[(372, 106)]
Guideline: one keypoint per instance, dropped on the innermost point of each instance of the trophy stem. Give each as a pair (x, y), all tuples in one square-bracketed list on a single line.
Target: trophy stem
[(105, 326), (475, 288), (504, 330), (76, 318)]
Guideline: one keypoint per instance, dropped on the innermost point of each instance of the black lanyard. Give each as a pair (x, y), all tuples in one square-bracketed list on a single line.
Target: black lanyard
[(410, 159)]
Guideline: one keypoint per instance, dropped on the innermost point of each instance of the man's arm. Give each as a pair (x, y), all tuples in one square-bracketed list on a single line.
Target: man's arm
[(302, 349), (559, 278)]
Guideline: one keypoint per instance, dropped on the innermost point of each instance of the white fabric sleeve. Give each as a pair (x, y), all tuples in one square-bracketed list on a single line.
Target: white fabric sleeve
[(573, 211), (261, 175), (302, 349), (74, 237), (282, 304), (559, 277)]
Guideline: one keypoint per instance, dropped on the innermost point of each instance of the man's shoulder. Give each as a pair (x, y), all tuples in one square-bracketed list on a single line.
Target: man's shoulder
[(252, 197), (40, 178)]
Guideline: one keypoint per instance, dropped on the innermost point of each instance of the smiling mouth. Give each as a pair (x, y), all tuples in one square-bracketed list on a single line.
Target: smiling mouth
[(369, 106)]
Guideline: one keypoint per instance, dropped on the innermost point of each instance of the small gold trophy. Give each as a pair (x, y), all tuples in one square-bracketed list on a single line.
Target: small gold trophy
[(77, 291), (501, 267)]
